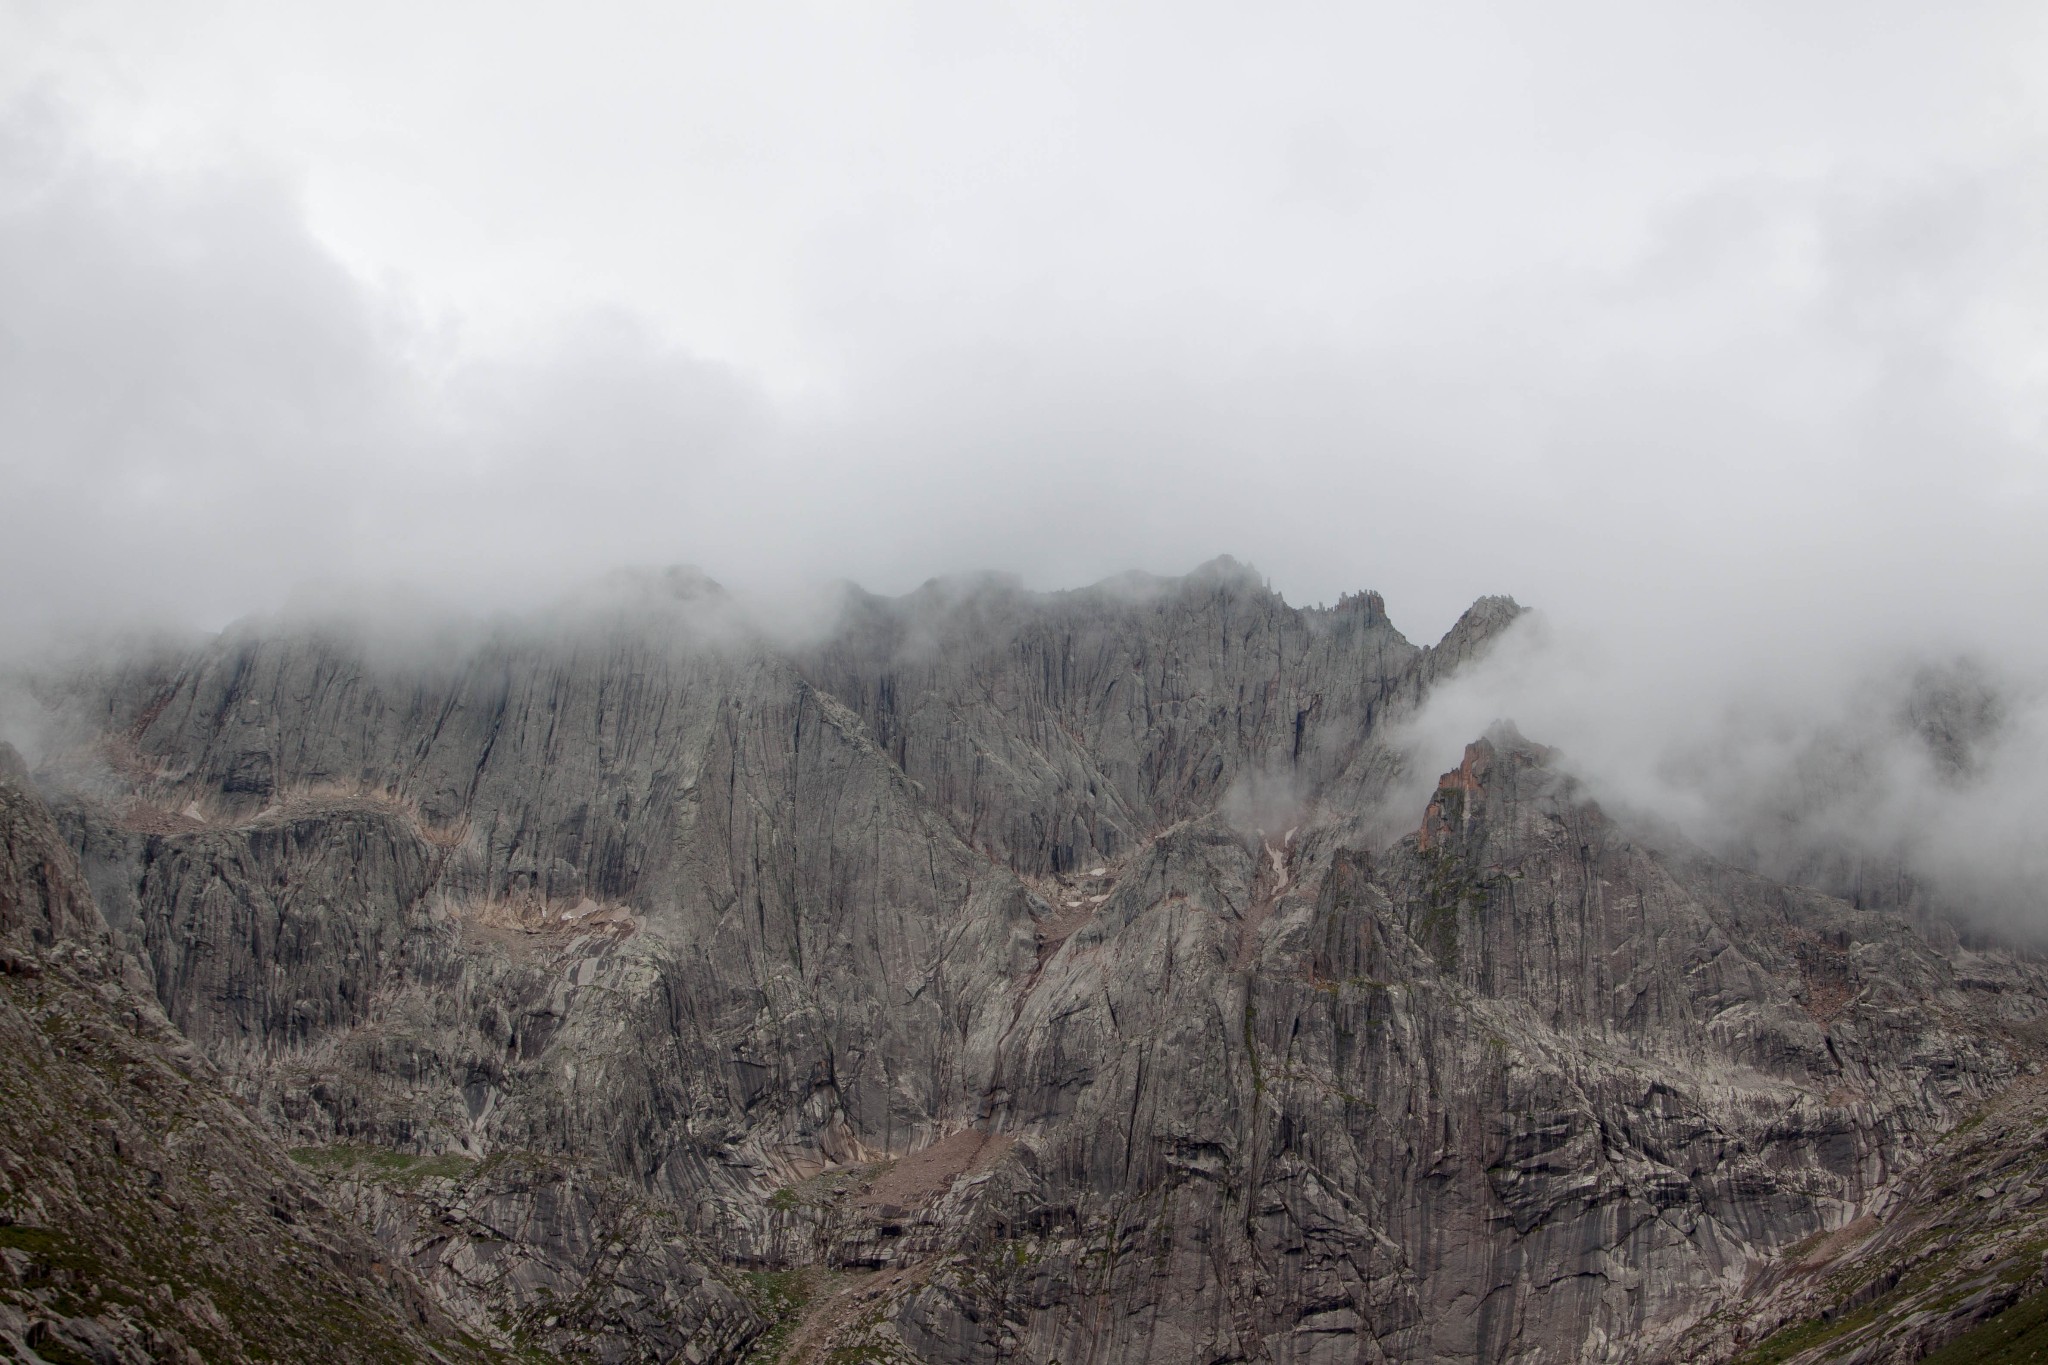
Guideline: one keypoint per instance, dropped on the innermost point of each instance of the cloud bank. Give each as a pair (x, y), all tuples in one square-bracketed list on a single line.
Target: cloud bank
[(1717, 338), (1874, 769)]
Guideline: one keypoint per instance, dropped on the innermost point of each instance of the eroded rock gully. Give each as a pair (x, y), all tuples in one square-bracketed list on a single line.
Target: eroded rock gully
[(651, 992)]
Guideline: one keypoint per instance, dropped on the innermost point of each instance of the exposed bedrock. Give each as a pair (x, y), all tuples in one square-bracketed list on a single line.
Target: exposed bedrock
[(1019, 972), (144, 1216)]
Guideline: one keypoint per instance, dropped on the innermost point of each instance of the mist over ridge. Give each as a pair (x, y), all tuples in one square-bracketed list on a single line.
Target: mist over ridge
[(1793, 402), (1750, 493), (847, 947), (1897, 778), (946, 685)]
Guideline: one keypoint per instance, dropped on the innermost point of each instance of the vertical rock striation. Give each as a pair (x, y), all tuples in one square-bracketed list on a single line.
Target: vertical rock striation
[(143, 1215), (1003, 976)]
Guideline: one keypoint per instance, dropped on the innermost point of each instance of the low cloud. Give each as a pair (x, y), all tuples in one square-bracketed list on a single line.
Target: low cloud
[(1799, 398), (1869, 769), (1755, 422)]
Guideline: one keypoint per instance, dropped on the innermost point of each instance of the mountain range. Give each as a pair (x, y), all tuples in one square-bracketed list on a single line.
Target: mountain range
[(990, 975)]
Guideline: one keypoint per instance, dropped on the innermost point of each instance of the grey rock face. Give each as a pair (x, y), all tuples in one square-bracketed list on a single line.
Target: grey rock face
[(143, 1216), (1521, 1089), (1952, 1259), (1017, 973), (1057, 732), (569, 1263)]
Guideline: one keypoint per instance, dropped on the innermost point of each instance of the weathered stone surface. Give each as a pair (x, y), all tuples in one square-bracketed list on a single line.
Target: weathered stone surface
[(557, 1260), (1521, 1089), (1950, 1262), (1024, 961), (1059, 730), (143, 1216)]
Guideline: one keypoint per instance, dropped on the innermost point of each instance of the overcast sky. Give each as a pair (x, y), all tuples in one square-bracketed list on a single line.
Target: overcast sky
[(1567, 301), (1718, 332)]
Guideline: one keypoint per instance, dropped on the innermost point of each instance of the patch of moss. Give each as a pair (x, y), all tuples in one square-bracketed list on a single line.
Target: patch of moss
[(1782, 1345), (57, 1353), (73, 1269), (35, 1241), (381, 1164), (2018, 1336), (866, 1354), (780, 1297)]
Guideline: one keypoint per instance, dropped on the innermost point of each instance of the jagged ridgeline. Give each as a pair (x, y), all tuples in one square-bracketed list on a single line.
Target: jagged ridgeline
[(991, 976)]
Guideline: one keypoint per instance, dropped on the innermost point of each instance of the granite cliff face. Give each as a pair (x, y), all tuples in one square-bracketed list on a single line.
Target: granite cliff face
[(1003, 976), (144, 1216)]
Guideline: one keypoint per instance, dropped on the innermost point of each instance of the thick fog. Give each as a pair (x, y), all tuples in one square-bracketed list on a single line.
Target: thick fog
[(1718, 334)]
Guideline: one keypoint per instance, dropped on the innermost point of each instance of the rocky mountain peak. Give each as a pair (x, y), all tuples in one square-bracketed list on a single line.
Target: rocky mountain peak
[(1003, 975), (1226, 572), (1463, 793), (1477, 627)]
